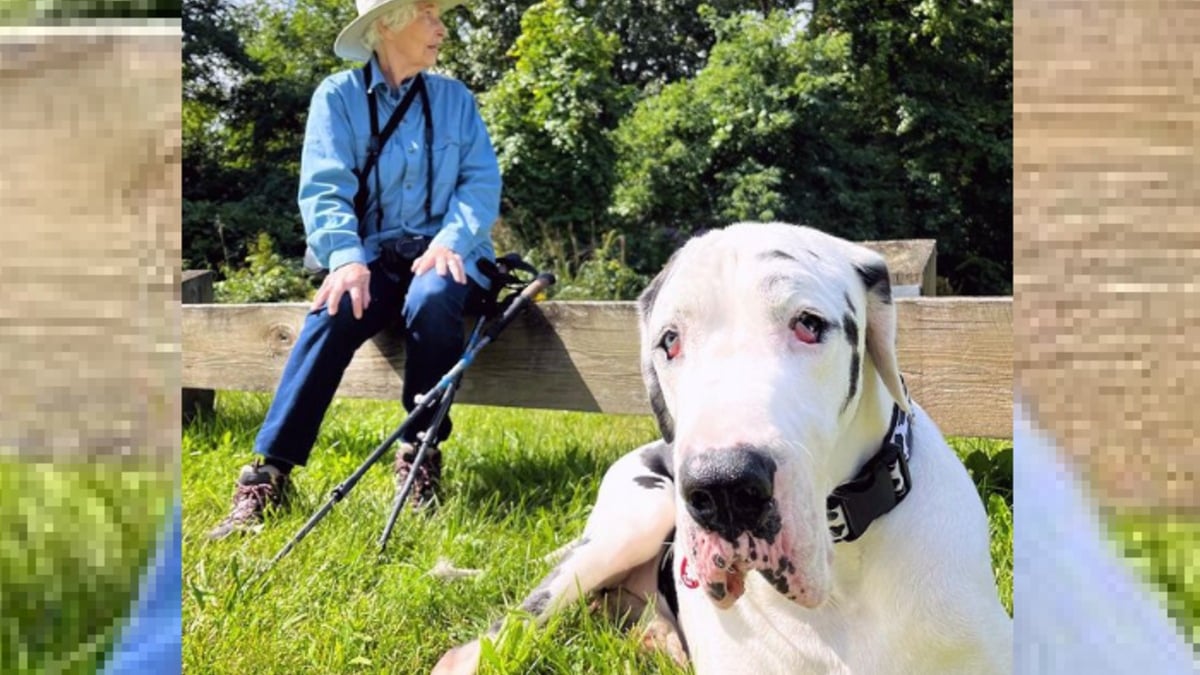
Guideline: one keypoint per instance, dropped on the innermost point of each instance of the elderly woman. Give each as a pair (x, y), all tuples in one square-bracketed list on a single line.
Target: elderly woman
[(408, 250)]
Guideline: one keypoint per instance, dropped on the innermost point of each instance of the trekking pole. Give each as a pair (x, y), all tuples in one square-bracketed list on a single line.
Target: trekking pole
[(452, 379), (347, 485), (541, 283), (423, 402), (427, 442)]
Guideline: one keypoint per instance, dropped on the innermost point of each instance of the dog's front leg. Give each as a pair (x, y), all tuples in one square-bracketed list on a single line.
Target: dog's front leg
[(634, 513)]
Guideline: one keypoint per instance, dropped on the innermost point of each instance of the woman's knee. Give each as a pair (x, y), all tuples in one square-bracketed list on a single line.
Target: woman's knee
[(435, 303), (343, 325)]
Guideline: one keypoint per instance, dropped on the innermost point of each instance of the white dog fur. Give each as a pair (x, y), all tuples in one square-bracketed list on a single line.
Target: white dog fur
[(914, 594)]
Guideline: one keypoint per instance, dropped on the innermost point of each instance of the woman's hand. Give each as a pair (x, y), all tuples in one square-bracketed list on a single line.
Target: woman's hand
[(353, 278), (443, 259)]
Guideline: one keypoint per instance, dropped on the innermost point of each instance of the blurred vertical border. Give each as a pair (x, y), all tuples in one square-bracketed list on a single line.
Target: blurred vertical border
[(1107, 334), (90, 194)]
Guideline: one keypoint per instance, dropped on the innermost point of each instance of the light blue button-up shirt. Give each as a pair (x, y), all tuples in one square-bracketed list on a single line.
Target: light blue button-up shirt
[(466, 182)]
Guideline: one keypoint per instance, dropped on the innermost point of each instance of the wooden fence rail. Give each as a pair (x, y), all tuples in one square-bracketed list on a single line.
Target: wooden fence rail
[(956, 355)]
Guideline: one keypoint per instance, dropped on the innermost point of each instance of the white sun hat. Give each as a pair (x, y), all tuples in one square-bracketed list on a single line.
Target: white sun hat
[(351, 42)]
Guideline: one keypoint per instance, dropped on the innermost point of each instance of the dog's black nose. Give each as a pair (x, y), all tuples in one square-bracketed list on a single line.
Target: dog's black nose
[(730, 491)]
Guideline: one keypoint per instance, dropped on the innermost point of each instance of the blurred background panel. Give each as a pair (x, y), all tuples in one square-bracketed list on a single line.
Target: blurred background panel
[(1107, 240), (90, 244), (41, 11), (89, 321)]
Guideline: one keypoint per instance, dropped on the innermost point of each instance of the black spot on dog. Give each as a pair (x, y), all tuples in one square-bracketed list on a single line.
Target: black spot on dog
[(543, 588), (850, 326), (776, 254), (536, 603), (650, 293), (875, 278), (657, 458), (658, 404), (850, 304), (646, 300), (650, 482), (779, 582), (717, 590), (785, 566)]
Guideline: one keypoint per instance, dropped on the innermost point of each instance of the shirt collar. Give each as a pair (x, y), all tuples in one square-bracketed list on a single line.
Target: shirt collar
[(378, 80)]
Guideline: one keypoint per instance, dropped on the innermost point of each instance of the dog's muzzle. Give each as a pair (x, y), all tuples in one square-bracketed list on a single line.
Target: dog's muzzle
[(731, 491)]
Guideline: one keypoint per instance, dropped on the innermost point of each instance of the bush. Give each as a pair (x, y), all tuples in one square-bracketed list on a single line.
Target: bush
[(605, 276), (269, 277)]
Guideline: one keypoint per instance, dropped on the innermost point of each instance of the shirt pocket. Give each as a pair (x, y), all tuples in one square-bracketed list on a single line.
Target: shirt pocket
[(446, 164)]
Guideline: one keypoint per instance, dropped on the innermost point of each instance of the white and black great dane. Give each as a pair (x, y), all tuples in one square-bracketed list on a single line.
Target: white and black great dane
[(768, 352)]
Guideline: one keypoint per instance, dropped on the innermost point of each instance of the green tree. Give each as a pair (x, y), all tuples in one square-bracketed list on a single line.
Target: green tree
[(50, 11), (550, 118), (244, 120), (893, 121), (761, 133), (661, 41), (934, 79)]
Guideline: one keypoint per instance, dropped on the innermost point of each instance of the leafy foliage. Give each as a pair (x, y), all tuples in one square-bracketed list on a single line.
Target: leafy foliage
[(41, 11), (604, 276), (763, 132), (268, 277), (661, 41), (1165, 552), (551, 116), (935, 80), (654, 118), (244, 124), (828, 128)]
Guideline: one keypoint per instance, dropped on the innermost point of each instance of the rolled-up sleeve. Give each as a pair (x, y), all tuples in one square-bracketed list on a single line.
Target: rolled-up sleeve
[(327, 182), (475, 204)]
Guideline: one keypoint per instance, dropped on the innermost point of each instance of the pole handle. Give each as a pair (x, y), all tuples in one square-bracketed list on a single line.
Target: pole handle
[(527, 296), (543, 281)]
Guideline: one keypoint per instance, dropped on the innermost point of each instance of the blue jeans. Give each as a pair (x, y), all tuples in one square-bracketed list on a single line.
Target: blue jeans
[(151, 641), (432, 310)]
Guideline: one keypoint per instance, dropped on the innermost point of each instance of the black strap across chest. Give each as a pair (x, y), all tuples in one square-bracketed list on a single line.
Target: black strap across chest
[(375, 146)]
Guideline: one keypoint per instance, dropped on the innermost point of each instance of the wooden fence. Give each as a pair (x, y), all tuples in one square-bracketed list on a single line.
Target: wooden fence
[(955, 353)]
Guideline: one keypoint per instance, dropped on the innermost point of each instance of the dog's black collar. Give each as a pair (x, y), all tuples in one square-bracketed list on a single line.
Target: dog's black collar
[(882, 483)]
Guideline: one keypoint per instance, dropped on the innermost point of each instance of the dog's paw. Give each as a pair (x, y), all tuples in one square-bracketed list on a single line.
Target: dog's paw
[(462, 660), (662, 635)]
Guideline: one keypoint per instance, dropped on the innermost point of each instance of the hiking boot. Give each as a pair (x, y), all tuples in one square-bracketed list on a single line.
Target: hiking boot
[(258, 486), (429, 474)]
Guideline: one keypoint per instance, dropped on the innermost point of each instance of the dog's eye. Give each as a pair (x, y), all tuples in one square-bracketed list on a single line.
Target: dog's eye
[(808, 327), (670, 344)]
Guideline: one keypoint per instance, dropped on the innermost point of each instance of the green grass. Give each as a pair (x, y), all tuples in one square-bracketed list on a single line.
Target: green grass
[(1165, 551), (73, 541), (519, 484)]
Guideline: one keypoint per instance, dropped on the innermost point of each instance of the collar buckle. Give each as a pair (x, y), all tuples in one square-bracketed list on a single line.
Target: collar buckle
[(883, 482)]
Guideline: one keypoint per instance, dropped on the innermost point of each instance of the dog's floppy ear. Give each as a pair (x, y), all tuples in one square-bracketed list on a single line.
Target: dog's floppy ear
[(666, 424), (881, 322)]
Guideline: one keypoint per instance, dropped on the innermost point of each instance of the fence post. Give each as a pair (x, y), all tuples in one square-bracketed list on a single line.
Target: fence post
[(197, 289)]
